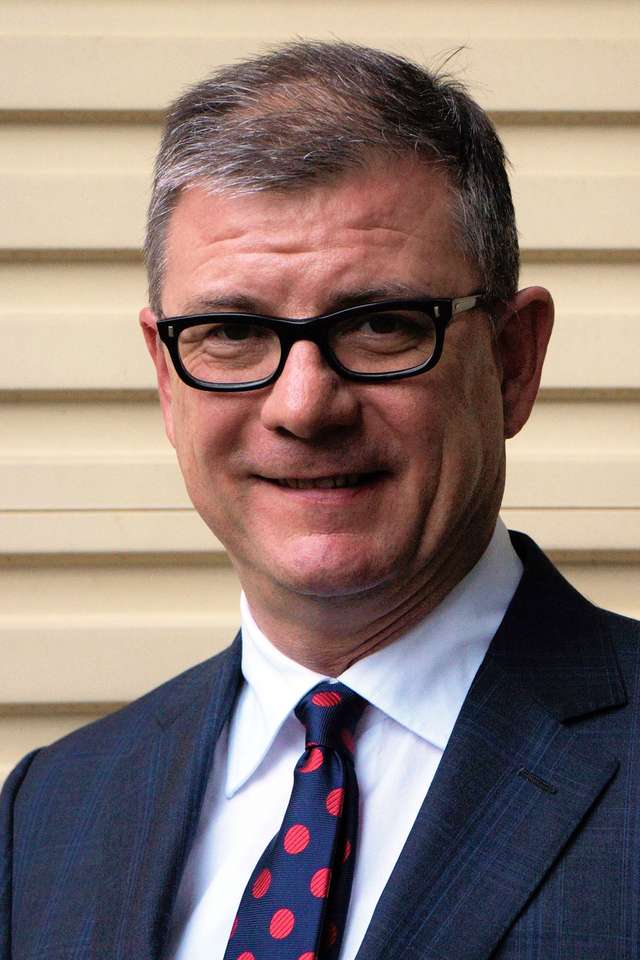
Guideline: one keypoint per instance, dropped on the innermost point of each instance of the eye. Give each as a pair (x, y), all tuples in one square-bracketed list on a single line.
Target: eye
[(391, 327), (385, 323), (223, 333), (237, 332), (232, 331)]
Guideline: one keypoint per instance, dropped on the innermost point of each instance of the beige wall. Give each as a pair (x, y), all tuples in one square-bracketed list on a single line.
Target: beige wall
[(110, 583)]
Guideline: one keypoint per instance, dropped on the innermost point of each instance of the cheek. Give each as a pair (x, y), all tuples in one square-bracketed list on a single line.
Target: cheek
[(480, 437), (207, 429), (474, 383), (486, 400), (417, 422), (459, 431)]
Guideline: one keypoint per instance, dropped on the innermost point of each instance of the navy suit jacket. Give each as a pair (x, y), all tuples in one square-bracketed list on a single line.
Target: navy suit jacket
[(527, 846)]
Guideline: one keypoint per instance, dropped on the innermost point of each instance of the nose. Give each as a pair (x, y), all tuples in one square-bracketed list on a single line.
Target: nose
[(309, 398)]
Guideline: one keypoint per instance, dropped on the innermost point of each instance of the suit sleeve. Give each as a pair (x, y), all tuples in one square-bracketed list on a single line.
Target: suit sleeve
[(7, 801)]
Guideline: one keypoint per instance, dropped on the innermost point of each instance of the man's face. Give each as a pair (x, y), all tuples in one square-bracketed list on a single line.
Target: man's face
[(426, 452)]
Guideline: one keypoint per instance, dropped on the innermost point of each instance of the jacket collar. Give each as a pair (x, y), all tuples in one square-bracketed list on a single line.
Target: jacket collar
[(556, 643)]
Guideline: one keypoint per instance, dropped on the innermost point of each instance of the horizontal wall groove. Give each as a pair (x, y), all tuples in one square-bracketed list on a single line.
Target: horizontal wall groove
[(186, 511), (89, 709), (632, 511), (97, 561), (117, 512), (220, 560), (524, 117), (64, 255), (589, 558), (565, 118), (142, 395), (82, 116), (150, 396), (611, 395), (552, 255)]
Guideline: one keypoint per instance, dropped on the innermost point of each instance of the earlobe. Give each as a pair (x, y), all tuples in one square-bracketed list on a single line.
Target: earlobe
[(521, 346), (163, 375)]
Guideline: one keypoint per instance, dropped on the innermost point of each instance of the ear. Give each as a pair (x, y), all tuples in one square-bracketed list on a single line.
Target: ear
[(521, 345), (163, 372)]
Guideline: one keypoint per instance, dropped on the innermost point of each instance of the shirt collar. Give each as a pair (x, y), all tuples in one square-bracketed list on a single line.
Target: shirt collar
[(420, 680)]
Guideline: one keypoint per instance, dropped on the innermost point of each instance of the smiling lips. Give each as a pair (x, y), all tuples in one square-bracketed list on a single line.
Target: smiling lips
[(323, 483)]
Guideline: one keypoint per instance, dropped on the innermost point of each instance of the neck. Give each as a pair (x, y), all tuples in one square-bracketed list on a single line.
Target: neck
[(329, 634)]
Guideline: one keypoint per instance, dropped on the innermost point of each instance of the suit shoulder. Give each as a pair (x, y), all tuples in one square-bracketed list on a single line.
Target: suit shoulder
[(624, 633), (622, 625)]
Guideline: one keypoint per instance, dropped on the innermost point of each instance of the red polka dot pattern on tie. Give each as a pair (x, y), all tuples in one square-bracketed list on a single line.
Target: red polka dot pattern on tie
[(295, 904), (320, 882), (282, 923), (334, 801), (314, 760), (328, 698), (296, 839), (261, 884)]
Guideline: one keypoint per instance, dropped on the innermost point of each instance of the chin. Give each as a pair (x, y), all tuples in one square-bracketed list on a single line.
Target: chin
[(334, 570)]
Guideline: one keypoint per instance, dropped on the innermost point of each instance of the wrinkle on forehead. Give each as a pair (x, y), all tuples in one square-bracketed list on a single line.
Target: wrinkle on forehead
[(248, 243)]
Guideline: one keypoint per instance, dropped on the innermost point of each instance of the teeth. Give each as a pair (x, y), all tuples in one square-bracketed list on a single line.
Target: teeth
[(323, 483)]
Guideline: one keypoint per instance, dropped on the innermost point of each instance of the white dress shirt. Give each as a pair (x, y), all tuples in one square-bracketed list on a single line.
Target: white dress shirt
[(415, 688)]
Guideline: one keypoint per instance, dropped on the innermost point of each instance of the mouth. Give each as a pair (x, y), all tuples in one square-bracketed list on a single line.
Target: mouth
[(332, 482)]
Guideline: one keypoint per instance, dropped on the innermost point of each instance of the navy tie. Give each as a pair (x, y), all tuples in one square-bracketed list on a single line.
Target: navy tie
[(295, 904)]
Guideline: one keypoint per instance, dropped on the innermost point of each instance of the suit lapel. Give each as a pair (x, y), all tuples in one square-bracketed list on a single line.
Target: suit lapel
[(154, 821), (514, 782)]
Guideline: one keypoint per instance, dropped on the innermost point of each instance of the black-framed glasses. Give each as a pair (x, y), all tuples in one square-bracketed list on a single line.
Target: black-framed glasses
[(370, 343)]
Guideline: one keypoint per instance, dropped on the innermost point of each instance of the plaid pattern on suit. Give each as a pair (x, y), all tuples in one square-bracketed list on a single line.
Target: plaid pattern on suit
[(526, 848)]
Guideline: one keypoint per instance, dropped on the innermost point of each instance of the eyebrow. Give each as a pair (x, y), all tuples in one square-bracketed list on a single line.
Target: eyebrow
[(235, 302), (229, 302), (387, 291)]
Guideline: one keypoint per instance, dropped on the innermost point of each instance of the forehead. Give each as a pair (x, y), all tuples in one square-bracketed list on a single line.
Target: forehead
[(368, 228)]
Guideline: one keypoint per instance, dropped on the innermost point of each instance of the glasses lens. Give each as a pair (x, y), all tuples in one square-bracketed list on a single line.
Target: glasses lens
[(229, 352), (384, 341)]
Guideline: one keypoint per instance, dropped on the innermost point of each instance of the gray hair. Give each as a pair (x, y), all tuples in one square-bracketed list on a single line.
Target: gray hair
[(308, 112)]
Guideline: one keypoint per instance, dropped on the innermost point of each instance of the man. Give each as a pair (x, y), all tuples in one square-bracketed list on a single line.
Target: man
[(341, 352)]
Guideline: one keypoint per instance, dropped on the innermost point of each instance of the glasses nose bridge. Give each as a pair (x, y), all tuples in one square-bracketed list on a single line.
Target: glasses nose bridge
[(313, 330)]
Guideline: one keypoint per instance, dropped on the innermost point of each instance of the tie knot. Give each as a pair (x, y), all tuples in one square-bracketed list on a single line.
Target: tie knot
[(330, 713)]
